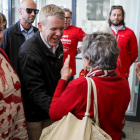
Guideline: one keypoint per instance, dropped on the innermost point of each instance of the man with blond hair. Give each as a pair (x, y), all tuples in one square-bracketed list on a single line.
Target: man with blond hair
[(18, 33), (40, 60)]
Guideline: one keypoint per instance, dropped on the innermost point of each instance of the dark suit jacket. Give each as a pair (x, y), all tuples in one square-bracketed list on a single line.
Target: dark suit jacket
[(39, 72), (12, 40)]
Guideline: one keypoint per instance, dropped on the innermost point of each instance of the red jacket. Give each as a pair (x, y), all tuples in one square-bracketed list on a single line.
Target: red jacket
[(113, 98), (127, 43)]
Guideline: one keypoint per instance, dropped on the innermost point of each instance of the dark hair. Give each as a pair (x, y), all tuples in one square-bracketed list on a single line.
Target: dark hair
[(4, 19), (116, 7), (1, 19), (67, 10), (101, 49)]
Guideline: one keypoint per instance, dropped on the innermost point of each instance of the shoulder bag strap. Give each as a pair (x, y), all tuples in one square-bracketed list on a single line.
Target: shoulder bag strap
[(88, 97), (95, 102)]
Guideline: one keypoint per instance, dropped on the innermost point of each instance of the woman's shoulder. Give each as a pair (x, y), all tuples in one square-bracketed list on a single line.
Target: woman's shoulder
[(78, 81)]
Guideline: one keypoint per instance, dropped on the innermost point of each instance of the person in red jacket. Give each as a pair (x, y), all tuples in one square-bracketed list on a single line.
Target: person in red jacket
[(99, 55), (127, 42), (70, 38), (126, 38)]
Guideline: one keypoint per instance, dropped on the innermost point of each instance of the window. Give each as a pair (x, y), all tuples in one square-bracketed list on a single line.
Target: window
[(4, 8)]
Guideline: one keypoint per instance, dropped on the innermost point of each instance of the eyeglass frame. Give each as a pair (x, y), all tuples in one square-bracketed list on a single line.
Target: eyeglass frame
[(68, 18), (36, 11)]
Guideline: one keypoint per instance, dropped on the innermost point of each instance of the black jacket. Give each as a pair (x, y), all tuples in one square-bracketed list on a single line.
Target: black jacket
[(39, 72), (12, 40)]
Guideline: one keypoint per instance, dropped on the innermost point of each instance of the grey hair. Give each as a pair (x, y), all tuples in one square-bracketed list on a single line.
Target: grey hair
[(103, 29), (101, 49), (50, 10), (67, 10)]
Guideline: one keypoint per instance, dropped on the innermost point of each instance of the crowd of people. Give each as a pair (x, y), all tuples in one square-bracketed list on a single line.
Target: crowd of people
[(37, 68)]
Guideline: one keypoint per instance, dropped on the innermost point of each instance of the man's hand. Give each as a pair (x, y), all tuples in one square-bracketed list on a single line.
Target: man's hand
[(66, 72), (138, 70)]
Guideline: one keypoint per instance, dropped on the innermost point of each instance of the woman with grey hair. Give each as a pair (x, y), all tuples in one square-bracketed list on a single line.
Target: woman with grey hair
[(99, 55), (103, 29)]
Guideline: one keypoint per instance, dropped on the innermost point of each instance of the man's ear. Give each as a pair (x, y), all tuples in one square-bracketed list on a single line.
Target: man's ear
[(40, 26), (109, 16), (20, 11)]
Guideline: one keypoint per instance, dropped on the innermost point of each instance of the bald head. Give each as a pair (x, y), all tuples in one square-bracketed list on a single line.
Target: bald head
[(27, 11), (27, 4)]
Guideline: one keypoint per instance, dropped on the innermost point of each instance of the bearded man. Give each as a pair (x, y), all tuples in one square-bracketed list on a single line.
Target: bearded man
[(126, 38), (127, 43)]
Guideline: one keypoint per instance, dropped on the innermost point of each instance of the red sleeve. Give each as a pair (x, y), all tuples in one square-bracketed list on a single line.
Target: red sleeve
[(133, 47), (64, 101), (81, 34), (6, 57)]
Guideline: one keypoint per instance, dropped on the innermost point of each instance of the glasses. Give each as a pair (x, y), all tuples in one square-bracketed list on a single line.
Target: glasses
[(29, 10), (116, 6), (67, 18)]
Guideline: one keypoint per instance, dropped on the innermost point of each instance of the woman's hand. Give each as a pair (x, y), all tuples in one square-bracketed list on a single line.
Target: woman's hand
[(138, 70), (66, 72)]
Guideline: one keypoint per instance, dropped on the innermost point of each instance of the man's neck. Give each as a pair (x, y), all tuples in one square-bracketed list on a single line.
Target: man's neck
[(116, 27), (25, 25), (67, 27)]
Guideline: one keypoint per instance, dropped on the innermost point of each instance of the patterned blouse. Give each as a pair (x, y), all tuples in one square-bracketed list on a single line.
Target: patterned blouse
[(12, 119)]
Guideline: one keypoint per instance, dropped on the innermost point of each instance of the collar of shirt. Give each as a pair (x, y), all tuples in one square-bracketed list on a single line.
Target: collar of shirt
[(27, 34), (116, 30), (51, 48), (23, 30)]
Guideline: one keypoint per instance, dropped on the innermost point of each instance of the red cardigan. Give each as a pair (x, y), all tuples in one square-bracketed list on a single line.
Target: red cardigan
[(113, 98), (127, 43)]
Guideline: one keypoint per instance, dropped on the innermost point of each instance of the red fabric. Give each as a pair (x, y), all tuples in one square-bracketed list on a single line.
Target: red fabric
[(110, 91), (70, 40), (12, 119), (5, 55), (82, 73), (127, 43)]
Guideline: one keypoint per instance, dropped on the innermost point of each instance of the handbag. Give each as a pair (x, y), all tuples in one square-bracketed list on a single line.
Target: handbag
[(72, 128)]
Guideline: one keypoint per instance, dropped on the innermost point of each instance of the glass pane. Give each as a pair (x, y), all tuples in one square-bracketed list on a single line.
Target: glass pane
[(61, 3), (4, 8), (93, 13), (15, 13)]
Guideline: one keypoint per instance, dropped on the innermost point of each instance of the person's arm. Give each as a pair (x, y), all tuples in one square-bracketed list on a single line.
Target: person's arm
[(138, 70), (32, 80), (81, 34), (5, 41), (133, 47), (63, 101)]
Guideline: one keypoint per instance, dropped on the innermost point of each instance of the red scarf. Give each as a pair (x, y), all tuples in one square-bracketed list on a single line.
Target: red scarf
[(97, 72)]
